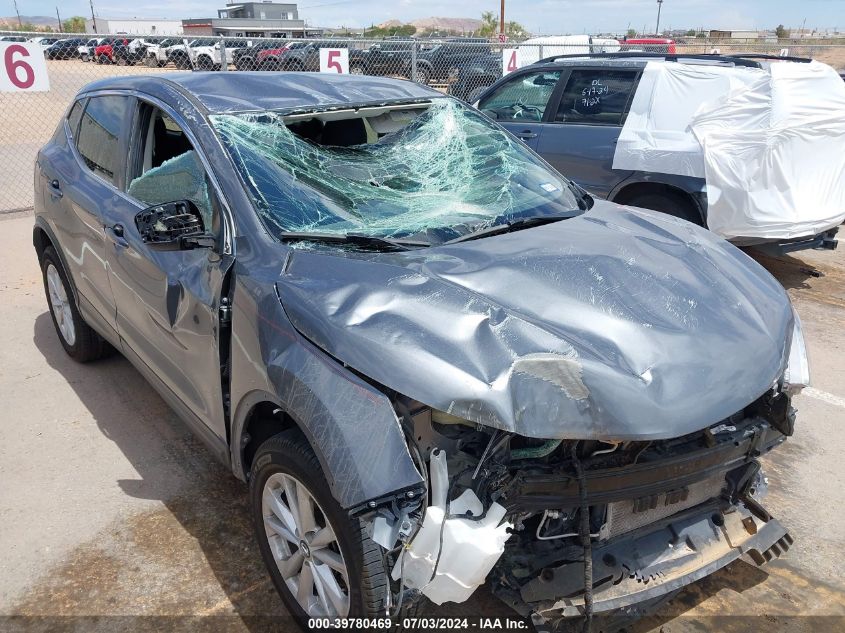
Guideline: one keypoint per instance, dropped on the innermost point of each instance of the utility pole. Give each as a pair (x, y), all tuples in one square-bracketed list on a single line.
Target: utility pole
[(93, 17), (59, 18), (659, 6), (20, 24), (502, 19)]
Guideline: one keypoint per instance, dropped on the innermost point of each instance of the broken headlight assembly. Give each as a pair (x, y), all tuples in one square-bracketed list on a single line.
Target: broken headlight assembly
[(797, 374)]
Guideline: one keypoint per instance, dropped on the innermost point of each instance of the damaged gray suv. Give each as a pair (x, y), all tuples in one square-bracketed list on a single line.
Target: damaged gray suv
[(436, 361)]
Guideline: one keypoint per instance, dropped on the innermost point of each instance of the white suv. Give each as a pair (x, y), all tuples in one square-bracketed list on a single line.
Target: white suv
[(209, 57)]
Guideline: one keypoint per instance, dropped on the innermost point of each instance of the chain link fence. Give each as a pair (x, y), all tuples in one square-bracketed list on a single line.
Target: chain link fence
[(462, 67)]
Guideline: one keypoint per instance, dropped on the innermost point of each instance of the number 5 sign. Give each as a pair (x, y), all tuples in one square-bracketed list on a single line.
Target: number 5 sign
[(23, 68), (334, 60), (510, 60)]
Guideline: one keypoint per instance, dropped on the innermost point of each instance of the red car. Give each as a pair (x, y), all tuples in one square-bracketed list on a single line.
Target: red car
[(649, 44), (104, 53)]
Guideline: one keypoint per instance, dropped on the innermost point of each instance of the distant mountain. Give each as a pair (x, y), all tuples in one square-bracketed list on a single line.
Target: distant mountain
[(37, 20), (455, 25)]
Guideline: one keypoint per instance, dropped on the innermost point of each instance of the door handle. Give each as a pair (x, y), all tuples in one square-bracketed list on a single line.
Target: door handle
[(117, 233), (527, 134), (55, 188)]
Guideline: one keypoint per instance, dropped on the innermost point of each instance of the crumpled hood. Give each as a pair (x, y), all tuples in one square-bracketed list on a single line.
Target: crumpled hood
[(619, 324)]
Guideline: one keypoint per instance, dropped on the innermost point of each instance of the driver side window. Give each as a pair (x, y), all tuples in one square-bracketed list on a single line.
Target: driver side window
[(165, 167), (524, 97)]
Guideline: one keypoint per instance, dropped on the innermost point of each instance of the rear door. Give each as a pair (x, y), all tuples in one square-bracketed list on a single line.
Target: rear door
[(82, 184), (168, 302), (520, 103), (584, 124)]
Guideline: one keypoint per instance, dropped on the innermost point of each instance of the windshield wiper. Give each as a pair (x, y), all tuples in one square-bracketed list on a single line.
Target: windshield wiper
[(513, 225), (370, 242)]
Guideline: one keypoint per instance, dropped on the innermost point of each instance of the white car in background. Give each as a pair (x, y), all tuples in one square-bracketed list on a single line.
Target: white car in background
[(208, 57), (43, 42), (537, 48), (157, 51), (86, 51)]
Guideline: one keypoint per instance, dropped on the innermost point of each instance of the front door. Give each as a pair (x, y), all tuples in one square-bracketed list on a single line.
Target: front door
[(168, 302), (520, 104)]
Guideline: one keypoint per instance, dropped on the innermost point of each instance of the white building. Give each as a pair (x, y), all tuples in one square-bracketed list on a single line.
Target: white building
[(135, 26)]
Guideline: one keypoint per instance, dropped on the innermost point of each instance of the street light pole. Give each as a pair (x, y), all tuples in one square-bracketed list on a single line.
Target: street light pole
[(93, 17), (20, 24), (659, 6), (502, 19)]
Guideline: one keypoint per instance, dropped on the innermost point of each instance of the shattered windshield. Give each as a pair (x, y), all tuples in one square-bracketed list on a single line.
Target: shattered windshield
[(438, 169)]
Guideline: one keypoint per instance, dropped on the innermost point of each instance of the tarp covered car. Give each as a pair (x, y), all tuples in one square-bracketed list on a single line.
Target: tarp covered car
[(767, 140), (436, 361)]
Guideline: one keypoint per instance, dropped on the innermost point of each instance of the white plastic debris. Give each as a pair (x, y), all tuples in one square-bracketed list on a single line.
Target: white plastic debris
[(470, 548), (767, 141)]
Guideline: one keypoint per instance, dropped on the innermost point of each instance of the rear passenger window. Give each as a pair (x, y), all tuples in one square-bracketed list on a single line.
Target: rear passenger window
[(596, 96), (522, 98), (98, 136), (74, 116)]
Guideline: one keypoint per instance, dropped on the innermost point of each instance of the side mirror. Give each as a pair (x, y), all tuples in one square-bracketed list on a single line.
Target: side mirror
[(173, 226)]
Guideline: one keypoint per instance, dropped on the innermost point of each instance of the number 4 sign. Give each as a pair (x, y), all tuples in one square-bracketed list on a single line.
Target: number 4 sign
[(334, 60), (510, 60), (24, 68)]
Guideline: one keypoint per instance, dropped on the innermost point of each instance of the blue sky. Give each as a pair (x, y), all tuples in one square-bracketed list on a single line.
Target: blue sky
[(539, 16)]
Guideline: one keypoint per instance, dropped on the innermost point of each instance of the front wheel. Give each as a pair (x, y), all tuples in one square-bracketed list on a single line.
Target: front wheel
[(321, 561)]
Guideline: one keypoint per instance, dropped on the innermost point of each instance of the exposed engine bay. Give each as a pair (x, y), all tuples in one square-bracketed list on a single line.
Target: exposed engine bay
[(649, 517)]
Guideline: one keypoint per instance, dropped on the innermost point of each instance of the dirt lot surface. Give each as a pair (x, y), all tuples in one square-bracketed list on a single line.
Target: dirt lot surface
[(109, 507)]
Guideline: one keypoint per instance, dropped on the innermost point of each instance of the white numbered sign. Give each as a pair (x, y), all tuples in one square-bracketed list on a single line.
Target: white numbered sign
[(510, 60), (334, 60), (22, 68)]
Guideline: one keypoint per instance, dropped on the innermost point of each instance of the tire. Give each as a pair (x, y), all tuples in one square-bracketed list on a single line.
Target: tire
[(668, 202), (84, 344), (294, 66), (356, 69), (204, 63), (287, 461), (423, 75), (103, 59), (181, 62), (151, 61), (122, 61)]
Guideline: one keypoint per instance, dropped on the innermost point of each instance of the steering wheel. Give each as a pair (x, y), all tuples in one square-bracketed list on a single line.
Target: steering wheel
[(520, 109)]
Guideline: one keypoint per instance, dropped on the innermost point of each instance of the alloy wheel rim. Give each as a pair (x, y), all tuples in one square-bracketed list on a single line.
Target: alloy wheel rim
[(305, 547), (60, 305)]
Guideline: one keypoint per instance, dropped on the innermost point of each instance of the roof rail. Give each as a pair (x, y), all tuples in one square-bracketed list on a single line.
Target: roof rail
[(800, 60), (738, 60)]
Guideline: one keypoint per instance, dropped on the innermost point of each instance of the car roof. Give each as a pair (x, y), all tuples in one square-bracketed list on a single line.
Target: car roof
[(251, 91)]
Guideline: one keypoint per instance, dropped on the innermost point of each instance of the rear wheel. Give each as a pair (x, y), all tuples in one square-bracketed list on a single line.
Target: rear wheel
[(321, 561), (423, 75), (80, 342), (668, 202), (204, 63)]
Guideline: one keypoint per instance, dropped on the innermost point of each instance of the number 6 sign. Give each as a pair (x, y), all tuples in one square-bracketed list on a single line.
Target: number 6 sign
[(334, 60), (23, 68)]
